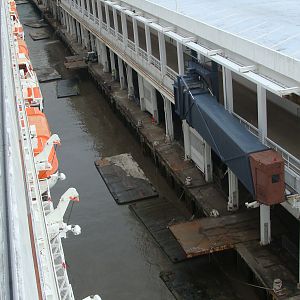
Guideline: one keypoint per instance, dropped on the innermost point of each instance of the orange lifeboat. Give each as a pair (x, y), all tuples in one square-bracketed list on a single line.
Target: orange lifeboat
[(22, 47), (43, 147)]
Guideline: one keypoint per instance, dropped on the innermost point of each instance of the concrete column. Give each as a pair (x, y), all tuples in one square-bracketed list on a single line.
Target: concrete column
[(186, 139), (66, 21), (121, 74), (135, 33), (100, 17), (154, 105), (124, 27), (233, 197), (88, 7), (93, 8), (93, 46), (82, 35), (116, 25), (114, 74), (227, 89), (148, 41), (168, 119), (74, 26), (78, 32), (130, 82), (162, 52), (265, 220), (265, 225), (107, 16), (85, 38), (141, 92), (82, 7), (262, 113), (208, 171), (104, 57), (180, 58), (64, 18), (98, 47)]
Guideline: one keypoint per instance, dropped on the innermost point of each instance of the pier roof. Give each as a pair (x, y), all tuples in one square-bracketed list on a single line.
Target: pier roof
[(264, 31)]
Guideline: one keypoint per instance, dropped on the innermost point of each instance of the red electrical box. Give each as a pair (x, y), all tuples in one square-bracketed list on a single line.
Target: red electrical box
[(267, 169)]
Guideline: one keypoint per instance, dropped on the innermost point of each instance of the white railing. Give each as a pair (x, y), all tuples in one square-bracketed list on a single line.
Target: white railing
[(291, 162), (155, 62), (248, 125), (131, 44), (97, 21), (143, 54), (171, 73), (91, 17), (104, 25), (112, 31), (85, 12), (120, 37)]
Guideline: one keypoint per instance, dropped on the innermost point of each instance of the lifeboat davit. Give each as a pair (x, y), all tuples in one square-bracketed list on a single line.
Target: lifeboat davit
[(43, 147), (33, 97)]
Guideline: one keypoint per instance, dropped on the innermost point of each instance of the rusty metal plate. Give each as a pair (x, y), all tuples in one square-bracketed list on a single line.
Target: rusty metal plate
[(207, 235), (74, 65)]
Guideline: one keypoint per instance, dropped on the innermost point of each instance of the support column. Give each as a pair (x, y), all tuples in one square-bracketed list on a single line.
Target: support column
[(162, 53), (67, 22), (141, 92), (100, 17), (114, 74), (168, 119), (107, 16), (154, 105), (233, 197), (82, 35), (265, 225), (124, 28), (82, 7), (93, 8), (262, 113), (148, 41), (93, 46), (265, 220), (78, 32), (135, 33), (180, 58), (227, 89), (208, 171), (72, 26), (116, 25), (130, 82), (186, 139), (104, 57), (88, 8), (121, 74), (98, 47)]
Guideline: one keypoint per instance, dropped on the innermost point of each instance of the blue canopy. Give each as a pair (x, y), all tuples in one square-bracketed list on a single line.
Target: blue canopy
[(231, 141)]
